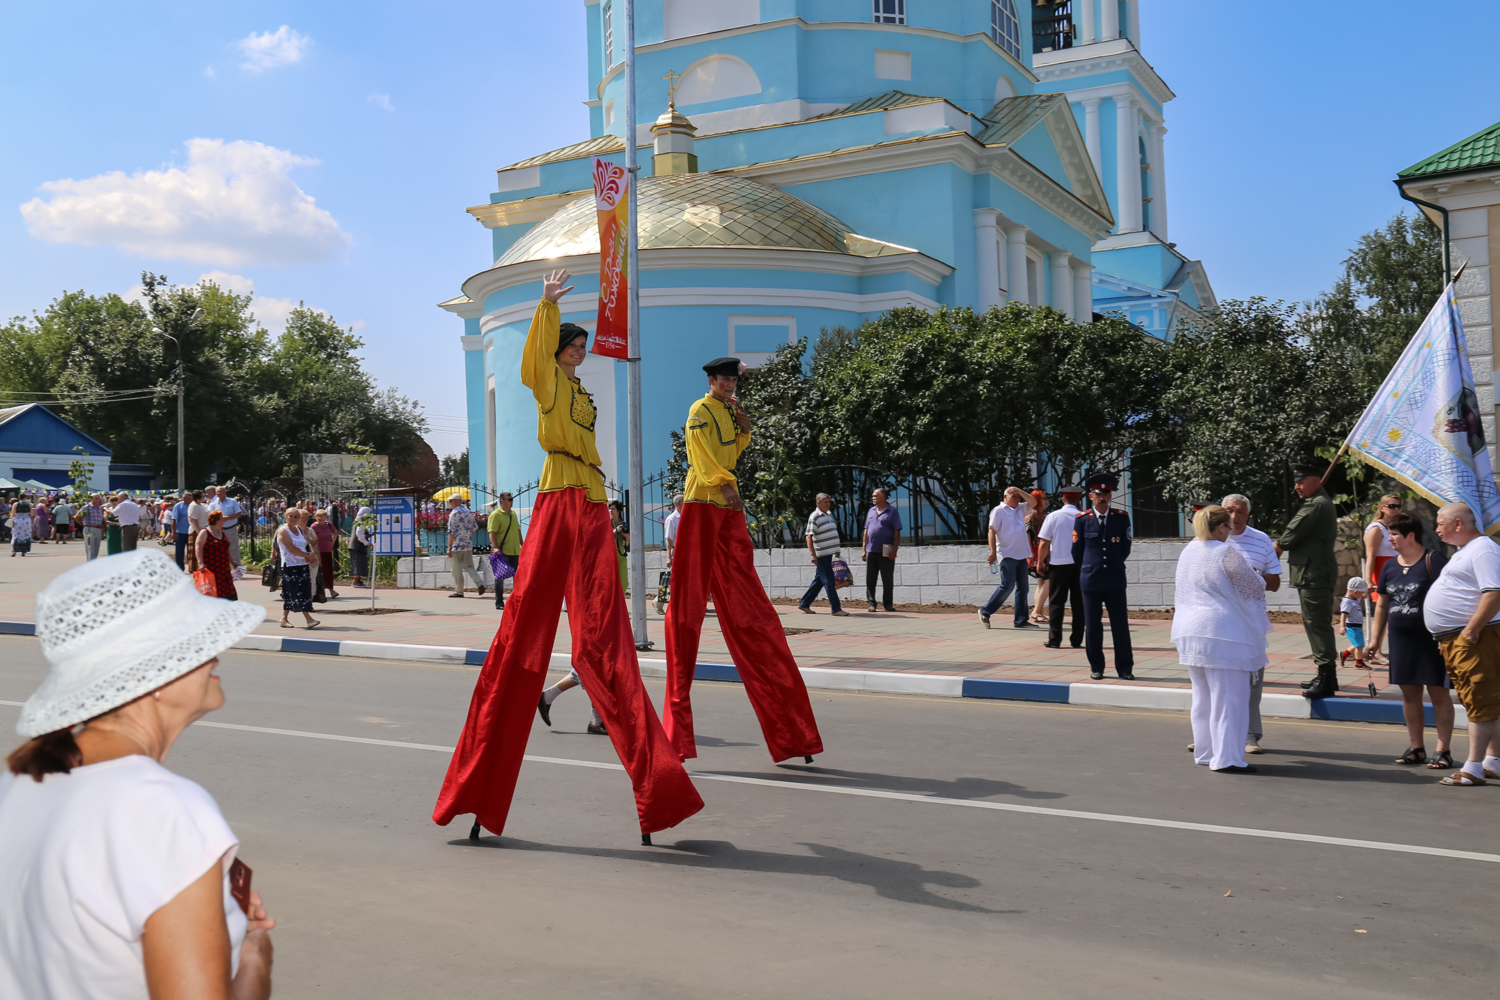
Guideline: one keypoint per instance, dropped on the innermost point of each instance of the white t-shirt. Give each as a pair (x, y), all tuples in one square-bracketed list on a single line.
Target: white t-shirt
[(1455, 596), (670, 524), (1011, 540), (198, 513), (1255, 545), (1352, 610), (128, 512), (1386, 549), (1057, 528), (89, 855)]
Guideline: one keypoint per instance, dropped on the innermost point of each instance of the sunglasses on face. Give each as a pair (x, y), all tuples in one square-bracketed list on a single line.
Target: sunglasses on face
[(1391, 506)]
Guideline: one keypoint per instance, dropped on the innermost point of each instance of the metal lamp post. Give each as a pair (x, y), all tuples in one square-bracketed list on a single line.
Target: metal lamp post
[(181, 473), (636, 511)]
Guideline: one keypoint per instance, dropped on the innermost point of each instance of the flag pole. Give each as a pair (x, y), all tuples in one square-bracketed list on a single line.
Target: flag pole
[(635, 512), (1342, 448)]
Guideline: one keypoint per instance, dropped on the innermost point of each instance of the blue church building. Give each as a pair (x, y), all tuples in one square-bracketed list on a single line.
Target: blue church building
[(817, 163)]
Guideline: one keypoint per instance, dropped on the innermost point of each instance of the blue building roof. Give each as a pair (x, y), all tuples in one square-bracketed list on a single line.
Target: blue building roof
[(34, 428)]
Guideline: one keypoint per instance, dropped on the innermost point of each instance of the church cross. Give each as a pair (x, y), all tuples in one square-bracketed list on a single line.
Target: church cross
[(672, 77)]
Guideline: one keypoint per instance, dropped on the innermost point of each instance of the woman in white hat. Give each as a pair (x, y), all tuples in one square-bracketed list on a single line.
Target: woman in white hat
[(116, 872)]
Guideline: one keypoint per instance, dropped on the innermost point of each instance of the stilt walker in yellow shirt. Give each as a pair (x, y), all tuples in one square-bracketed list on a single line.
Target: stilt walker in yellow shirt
[(713, 554), (570, 552)]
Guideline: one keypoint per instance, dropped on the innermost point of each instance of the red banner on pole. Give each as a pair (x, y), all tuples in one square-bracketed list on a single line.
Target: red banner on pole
[(612, 338)]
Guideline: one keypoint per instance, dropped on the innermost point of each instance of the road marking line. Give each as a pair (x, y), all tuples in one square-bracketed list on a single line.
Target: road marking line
[(1238, 831)]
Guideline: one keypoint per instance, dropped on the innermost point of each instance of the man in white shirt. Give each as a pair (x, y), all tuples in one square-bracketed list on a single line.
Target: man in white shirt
[(669, 527), (1054, 556), (1260, 552), (1011, 546), (128, 513), (1462, 611), (233, 514)]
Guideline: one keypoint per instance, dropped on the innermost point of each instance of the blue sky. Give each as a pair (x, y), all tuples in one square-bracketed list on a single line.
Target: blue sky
[(353, 136)]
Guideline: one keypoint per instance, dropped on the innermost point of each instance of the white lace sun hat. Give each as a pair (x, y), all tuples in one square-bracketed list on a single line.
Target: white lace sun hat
[(119, 627)]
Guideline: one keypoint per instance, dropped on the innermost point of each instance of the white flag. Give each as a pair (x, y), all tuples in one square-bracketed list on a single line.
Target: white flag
[(1423, 427)]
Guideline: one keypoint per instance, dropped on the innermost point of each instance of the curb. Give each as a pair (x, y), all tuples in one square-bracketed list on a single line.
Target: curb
[(1286, 706)]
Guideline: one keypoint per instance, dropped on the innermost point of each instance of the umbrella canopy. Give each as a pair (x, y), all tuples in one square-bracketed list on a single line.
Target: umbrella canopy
[(451, 491)]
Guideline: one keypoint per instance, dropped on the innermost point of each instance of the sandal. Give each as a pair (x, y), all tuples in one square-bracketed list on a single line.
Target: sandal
[(1462, 779), (313, 625), (1442, 761), (287, 625), (1416, 755)]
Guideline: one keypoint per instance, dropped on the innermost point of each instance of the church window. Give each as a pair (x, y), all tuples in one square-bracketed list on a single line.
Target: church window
[(609, 35), (717, 77), (891, 11), (681, 18), (609, 113), (1052, 25), (1005, 28)]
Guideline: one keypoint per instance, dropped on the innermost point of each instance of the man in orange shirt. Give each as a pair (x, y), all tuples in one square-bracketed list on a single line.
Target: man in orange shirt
[(713, 554)]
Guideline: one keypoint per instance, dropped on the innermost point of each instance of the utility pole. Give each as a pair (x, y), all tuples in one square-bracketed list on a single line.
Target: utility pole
[(181, 379), (636, 511)]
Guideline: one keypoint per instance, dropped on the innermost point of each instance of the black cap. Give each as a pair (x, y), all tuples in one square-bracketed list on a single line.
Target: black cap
[(1104, 481), (723, 366), (566, 334), (1301, 470)]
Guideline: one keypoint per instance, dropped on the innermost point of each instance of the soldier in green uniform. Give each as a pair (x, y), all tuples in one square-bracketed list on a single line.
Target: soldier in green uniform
[(1308, 543)]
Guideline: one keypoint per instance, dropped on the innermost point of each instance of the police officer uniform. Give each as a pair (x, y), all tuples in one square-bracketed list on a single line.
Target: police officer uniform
[(1101, 544)]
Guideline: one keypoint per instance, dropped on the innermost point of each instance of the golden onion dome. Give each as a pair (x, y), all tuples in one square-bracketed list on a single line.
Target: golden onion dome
[(700, 210)]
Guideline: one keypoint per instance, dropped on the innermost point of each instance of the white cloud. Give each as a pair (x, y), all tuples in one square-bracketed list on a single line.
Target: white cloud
[(233, 204), (271, 312), (381, 101), (270, 49)]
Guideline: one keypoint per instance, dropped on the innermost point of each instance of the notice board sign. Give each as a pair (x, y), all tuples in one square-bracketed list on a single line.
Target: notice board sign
[(395, 526)]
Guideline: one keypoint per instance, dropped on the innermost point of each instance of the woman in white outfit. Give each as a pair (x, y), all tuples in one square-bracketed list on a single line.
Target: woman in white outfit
[(116, 875), (1219, 628)]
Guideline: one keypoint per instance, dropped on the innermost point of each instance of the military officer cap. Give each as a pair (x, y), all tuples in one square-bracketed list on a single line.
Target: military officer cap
[(723, 367), (1302, 470), (1103, 481), (1072, 491)]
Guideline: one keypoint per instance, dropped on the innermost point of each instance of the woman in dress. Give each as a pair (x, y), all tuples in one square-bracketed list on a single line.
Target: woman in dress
[(213, 555), (622, 540), (1219, 628), (1378, 551), (298, 552), (1416, 662), (359, 548), (41, 522), (20, 532), (1036, 513), (114, 542), (328, 535), (117, 880)]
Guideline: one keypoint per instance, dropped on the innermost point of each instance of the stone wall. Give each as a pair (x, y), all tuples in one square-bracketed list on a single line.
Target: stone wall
[(958, 574)]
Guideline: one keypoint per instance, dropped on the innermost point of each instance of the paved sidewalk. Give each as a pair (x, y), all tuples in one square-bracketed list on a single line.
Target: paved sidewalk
[(914, 642)]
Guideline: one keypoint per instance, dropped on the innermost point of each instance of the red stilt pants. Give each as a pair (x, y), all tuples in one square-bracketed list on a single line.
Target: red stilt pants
[(713, 553), (569, 552)]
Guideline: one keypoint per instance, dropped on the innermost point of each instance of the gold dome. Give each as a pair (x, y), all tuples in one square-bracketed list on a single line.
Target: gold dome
[(700, 210)]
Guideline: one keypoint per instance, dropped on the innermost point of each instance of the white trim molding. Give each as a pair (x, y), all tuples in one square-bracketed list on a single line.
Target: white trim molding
[(472, 341), (1102, 57)]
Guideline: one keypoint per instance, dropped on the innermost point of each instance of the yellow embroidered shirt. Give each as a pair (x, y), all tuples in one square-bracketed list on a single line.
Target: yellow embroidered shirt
[(714, 443), (564, 411)]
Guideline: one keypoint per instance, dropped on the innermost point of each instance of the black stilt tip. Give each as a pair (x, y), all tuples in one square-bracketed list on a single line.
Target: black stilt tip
[(645, 840), (474, 832), (807, 760)]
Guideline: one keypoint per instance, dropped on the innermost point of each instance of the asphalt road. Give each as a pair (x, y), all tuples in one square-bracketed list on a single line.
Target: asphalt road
[(799, 891)]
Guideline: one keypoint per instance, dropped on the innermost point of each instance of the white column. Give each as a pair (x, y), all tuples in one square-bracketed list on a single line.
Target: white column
[(1159, 182), (1134, 7), (1091, 132), (1127, 166), (1015, 258), (1083, 294), (986, 259), (1062, 282), (1087, 27), (1110, 28)]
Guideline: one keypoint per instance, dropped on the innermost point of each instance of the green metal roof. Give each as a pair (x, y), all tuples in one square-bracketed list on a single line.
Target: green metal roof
[(1482, 149)]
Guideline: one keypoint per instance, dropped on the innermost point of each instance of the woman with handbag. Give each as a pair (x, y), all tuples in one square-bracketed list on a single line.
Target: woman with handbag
[(212, 547), (504, 526), (297, 553)]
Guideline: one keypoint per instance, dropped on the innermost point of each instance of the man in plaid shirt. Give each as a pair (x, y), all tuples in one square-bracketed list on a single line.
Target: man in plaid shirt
[(91, 518)]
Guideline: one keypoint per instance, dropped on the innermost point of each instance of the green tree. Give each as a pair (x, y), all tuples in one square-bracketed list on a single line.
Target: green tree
[(455, 468)]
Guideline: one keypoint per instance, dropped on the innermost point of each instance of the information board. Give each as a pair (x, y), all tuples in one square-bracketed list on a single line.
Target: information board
[(395, 526)]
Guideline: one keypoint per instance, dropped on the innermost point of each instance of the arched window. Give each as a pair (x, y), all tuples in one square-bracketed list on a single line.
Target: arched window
[(890, 11), (609, 35), (717, 78), (1005, 28), (681, 18), (1145, 185), (1004, 88)]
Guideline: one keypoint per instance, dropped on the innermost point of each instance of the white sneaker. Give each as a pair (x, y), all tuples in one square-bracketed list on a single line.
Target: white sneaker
[(1252, 745)]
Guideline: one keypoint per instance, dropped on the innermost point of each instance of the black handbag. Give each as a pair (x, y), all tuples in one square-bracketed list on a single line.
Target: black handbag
[(270, 577)]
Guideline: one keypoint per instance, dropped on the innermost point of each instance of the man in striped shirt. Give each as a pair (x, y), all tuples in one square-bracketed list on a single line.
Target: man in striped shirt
[(823, 544)]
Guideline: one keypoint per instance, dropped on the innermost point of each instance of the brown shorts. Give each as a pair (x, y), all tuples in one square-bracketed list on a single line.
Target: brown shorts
[(1475, 669)]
